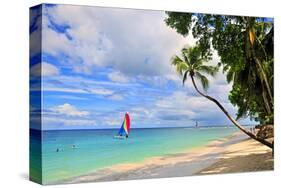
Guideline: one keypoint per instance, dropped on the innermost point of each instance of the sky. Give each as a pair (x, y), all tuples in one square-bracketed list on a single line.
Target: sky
[(99, 63)]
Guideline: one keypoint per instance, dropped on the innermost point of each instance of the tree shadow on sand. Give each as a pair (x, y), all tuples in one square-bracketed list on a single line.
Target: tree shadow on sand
[(244, 163)]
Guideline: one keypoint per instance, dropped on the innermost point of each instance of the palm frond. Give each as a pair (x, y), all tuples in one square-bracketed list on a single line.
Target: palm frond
[(184, 53), (180, 64), (208, 69), (184, 77), (203, 79)]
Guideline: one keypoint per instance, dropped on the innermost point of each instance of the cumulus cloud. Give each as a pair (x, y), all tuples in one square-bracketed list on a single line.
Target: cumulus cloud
[(82, 43), (44, 69), (103, 37), (69, 110)]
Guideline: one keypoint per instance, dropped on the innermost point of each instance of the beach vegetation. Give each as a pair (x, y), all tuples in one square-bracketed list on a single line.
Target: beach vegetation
[(245, 48), (192, 64)]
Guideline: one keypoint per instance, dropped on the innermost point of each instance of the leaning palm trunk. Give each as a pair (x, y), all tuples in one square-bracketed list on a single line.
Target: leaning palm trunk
[(230, 118)]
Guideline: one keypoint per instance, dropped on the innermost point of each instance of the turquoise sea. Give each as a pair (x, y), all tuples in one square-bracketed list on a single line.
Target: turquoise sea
[(71, 153)]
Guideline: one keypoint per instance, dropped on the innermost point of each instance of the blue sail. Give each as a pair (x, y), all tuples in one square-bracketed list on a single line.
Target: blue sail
[(122, 130)]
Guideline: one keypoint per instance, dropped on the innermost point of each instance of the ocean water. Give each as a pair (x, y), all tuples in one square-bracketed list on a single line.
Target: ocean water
[(97, 149)]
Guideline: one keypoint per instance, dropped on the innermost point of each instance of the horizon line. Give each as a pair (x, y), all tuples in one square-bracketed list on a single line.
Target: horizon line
[(203, 126)]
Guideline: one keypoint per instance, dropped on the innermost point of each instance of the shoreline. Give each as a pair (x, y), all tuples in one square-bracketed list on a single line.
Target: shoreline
[(206, 159)]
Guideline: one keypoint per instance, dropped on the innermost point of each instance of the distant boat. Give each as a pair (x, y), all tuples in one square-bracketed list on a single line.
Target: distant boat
[(125, 128), (196, 125)]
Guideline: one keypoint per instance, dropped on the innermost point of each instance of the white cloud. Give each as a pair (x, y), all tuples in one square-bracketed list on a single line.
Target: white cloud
[(79, 85), (69, 110), (44, 69), (111, 122), (55, 43), (181, 109), (87, 46), (35, 36), (49, 69), (196, 107), (118, 77), (135, 42), (68, 97), (79, 122), (182, 102), (68, 122), (61, 89), (116, 97), (101, 91)]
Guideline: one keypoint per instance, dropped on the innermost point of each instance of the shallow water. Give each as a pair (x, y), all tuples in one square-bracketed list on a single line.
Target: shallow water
[(83, 151)]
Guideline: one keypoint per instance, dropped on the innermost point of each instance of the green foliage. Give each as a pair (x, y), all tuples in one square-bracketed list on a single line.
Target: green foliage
[(192, 63), (179, 21), (245, 47)]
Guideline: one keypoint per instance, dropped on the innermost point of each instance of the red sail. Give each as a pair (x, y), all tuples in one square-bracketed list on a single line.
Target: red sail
[(128, 123)]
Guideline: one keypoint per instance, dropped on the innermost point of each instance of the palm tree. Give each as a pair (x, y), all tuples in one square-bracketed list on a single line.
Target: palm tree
[(255, 76), (252, 46), (191, 63)]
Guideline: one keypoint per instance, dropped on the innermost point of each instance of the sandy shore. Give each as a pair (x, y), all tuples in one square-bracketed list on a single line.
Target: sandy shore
[(235, 153), (245, 156)]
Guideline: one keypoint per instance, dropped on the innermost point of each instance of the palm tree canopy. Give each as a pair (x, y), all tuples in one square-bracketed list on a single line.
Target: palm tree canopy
[(192, 63)]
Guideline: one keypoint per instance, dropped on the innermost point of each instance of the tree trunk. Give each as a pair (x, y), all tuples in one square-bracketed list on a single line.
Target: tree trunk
[(230, 118), (263, 76), (267, 106)]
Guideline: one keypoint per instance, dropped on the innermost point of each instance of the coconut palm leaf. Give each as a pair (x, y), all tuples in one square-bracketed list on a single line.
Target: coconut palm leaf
[(208, 70), (191, 63), (203, 79)]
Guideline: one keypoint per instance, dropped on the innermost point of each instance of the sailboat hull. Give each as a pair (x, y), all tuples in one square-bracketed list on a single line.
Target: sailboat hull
[(119, 137)]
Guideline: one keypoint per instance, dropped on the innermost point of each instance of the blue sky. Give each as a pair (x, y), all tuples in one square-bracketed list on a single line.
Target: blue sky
[(98, 63)]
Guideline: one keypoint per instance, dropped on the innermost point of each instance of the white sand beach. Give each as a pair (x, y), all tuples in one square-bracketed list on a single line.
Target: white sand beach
[(236, 153)]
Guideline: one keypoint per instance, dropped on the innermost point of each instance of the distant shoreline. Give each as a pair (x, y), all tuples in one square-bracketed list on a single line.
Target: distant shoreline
[(201, 160)]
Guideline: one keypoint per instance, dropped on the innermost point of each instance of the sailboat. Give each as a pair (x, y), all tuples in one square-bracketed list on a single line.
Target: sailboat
[(125, 128)]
